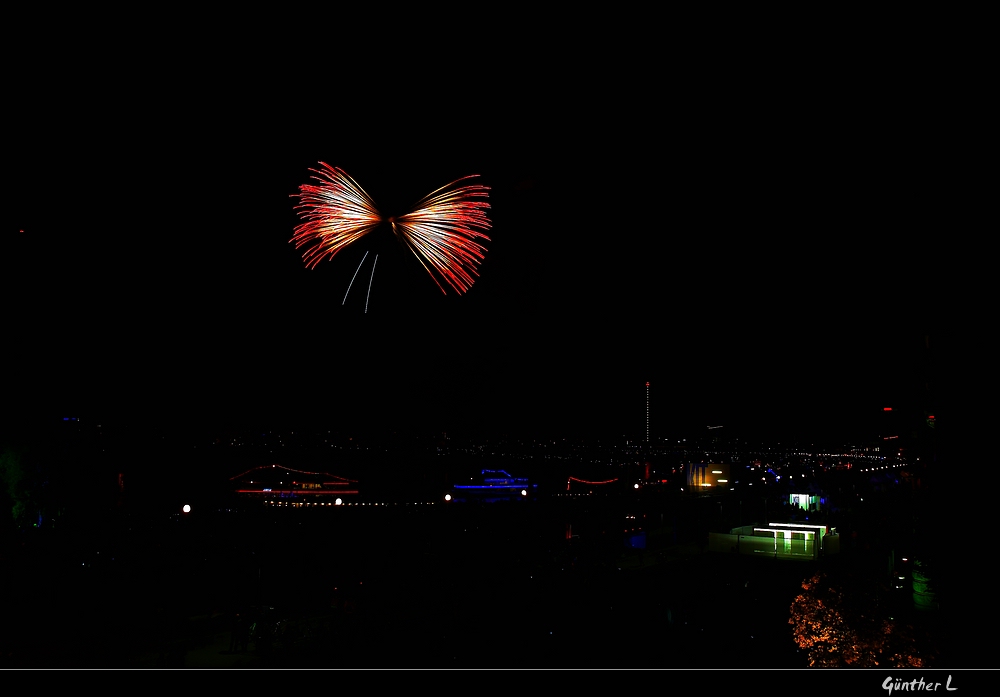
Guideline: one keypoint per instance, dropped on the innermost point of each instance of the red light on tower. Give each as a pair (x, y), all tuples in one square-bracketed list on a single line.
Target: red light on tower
[(886, 408)]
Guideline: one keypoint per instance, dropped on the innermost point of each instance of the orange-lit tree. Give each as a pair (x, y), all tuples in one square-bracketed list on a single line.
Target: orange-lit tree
[(839, 634)]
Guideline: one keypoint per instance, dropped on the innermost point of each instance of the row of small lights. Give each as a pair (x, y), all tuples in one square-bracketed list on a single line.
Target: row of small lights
[(187, 508), (339, 502)]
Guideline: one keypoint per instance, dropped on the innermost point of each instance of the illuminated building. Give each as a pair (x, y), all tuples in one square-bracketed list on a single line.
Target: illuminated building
[(794, 540), (778, 541), (807, 502), (702, 476), (277, 484)]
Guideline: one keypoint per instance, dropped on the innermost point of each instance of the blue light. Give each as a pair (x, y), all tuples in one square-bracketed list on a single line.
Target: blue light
[(486, 486)]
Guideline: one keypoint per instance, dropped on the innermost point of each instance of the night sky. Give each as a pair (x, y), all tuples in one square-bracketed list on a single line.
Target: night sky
[(760, 256)]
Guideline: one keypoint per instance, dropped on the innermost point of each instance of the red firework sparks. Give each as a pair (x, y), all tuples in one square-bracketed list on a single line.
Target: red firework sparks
[(444, 230)]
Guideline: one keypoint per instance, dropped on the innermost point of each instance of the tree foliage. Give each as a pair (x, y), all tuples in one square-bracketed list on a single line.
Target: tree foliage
[(836, 626), (20, 488), (32, 488)]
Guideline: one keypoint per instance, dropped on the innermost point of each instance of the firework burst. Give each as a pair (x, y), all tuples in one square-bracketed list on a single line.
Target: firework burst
[(445, 230)]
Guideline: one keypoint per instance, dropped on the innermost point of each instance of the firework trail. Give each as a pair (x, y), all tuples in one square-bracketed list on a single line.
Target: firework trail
[(445, 230), (368, 297), (355, 276)]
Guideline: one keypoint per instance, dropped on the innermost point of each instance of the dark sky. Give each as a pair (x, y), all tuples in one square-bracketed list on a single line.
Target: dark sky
[(759, 256)]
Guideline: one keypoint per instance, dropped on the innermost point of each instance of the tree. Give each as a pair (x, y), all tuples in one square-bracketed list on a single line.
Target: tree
[(840, 634), (19, 489)]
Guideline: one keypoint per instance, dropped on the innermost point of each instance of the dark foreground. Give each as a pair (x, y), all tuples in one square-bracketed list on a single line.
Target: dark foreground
[(497, 586)]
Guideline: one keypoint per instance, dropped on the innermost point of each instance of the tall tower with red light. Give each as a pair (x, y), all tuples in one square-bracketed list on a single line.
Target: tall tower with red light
[(647, 411)]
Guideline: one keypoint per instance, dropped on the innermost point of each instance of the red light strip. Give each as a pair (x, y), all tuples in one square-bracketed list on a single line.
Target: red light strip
[(584, 481)]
